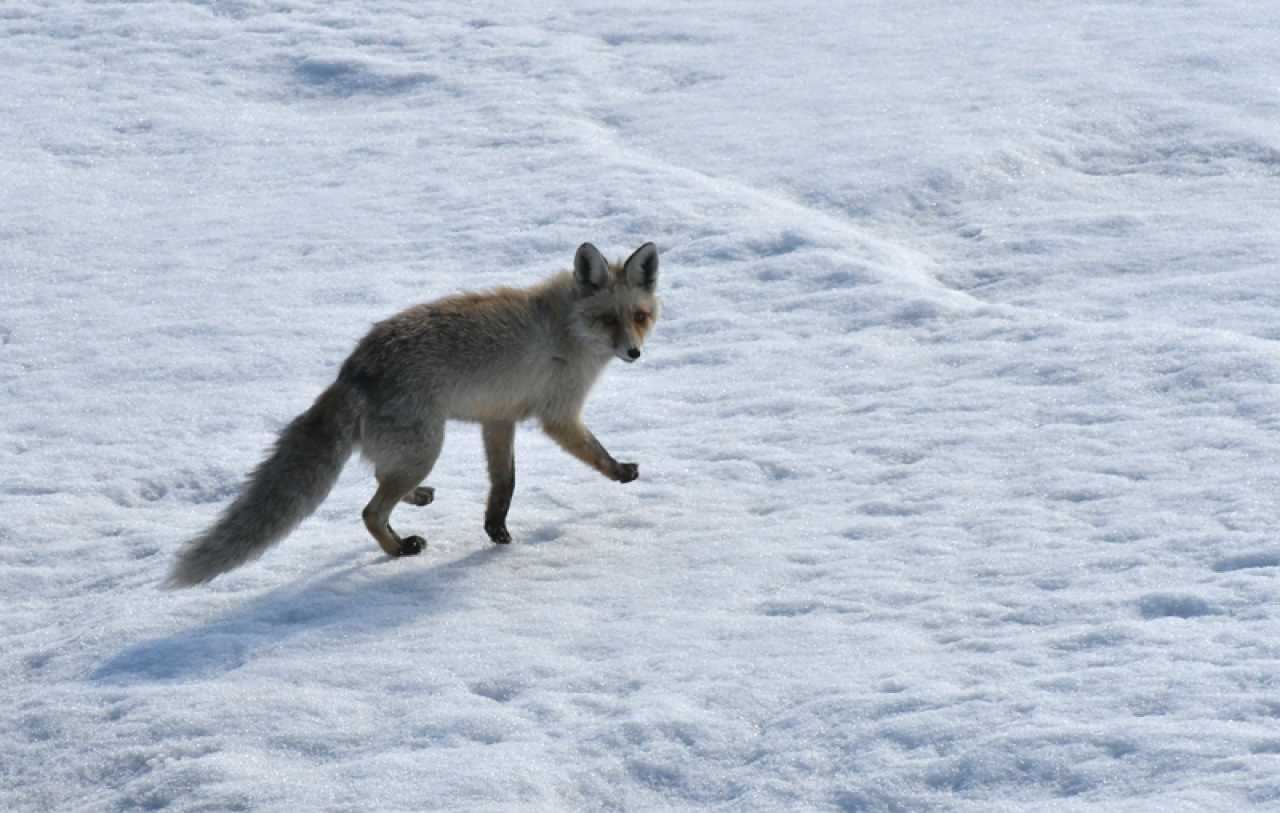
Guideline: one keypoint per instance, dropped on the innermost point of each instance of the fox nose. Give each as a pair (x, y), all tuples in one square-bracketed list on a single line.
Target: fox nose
[(634, 353)]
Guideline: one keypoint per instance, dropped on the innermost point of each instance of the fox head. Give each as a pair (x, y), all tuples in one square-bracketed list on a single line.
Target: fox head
[(617, 305)]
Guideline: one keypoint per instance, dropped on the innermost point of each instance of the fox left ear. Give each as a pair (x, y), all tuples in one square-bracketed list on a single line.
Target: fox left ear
[(641, 268), (590, 268)]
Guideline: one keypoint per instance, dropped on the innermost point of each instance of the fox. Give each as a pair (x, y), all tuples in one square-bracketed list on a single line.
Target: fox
[(496, 359)]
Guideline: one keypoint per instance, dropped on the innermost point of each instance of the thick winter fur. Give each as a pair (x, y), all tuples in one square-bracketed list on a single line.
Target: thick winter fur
[(495, 359)]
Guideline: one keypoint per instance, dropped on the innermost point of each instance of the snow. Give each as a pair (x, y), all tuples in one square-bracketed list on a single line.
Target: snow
[(958, 440)]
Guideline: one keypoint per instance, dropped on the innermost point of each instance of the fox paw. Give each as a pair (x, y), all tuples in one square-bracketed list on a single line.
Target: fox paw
[(498, 533), (412, 545), (422, 495), (628, 472)]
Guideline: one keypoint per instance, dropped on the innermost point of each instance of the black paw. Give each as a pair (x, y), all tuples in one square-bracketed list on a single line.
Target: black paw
[(412, 545), (628, 472), (498, 533)]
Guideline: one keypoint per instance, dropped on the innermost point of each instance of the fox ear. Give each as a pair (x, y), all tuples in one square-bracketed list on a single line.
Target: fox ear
[(589, 267), (641, 268)]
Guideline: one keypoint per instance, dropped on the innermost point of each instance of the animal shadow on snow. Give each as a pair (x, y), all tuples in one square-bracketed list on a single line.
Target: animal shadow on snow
[(330, 604)]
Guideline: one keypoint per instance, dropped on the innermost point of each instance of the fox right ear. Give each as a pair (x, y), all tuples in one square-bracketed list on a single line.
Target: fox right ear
[(589, 267), (641, 268)]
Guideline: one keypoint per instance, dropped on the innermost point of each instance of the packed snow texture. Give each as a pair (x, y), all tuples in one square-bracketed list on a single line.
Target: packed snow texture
[(958, 440)]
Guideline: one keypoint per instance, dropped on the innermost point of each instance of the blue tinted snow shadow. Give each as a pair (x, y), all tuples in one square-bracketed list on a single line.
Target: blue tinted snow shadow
[(347, 77), (1247, 561), (1165, 605), (226, 643)]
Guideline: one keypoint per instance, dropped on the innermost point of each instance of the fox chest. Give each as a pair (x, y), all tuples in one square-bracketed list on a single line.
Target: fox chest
[(518, 392)]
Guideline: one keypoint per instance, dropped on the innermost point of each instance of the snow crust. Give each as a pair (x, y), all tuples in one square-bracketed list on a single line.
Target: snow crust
[(958, 440)]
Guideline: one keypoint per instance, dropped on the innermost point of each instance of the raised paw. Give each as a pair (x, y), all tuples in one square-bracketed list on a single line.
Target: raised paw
[(498, 533), (412, 545), (628, 472), (422, 495)]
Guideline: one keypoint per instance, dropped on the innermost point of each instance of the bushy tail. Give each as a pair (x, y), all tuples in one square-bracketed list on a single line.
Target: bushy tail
[(284, 490)]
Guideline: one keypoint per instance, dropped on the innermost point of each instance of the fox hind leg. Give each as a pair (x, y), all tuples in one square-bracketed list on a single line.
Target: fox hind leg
[(422, 495), (392, 488), (399, 476)]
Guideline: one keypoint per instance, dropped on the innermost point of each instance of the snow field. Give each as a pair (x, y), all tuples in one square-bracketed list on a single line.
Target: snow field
[(956, 440)]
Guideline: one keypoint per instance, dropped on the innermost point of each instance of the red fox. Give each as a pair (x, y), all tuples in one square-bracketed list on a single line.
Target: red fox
[(495, 359)]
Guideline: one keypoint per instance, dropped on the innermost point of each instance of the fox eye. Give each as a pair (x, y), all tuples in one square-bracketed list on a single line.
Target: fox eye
[(609, 320), (641, 317)]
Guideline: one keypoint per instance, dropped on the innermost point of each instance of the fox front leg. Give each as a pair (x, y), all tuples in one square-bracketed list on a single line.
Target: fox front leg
[(499, 453), (578, 441)]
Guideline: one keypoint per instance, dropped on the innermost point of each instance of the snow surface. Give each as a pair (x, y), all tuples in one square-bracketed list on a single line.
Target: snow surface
[(958, 441)]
